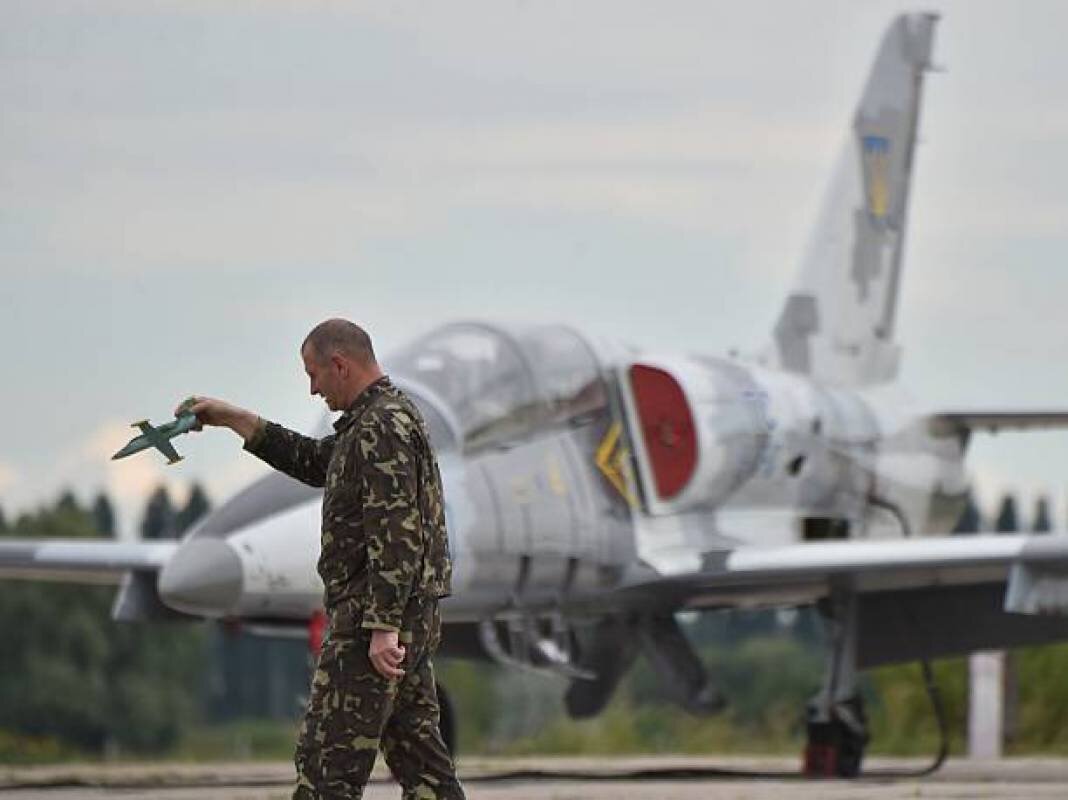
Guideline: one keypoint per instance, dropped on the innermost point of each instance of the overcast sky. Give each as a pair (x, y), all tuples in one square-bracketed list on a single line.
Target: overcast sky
[(189, 187)]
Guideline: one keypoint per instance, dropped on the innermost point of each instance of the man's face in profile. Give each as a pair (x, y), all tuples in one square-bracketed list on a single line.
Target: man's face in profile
[(325, 376)]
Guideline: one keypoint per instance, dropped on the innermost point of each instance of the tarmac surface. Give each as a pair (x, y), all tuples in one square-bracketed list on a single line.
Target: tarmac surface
[(1018, 779)]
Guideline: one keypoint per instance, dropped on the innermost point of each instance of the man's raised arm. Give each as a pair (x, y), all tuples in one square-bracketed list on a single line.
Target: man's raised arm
[(300, 457)]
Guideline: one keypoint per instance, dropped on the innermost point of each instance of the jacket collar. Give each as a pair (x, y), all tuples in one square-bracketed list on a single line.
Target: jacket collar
[(362, 401)]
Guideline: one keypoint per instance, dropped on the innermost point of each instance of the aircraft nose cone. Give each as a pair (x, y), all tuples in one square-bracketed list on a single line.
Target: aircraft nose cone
[(203, 577)]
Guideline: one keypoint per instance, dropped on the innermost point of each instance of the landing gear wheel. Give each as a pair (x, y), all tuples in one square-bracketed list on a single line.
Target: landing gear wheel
[(835, 747)]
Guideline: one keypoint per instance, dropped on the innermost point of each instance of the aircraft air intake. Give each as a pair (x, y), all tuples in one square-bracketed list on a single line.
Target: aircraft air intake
[(667, 428), (700, 426)]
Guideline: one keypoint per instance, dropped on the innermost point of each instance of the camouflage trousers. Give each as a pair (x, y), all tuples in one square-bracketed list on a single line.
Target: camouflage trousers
[(353, 711)]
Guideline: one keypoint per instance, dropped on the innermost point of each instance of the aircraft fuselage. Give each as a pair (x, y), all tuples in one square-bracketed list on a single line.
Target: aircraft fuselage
[(554, 494)]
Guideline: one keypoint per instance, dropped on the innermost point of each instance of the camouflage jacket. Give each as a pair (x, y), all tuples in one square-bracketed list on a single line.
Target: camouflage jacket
[(384, 534)]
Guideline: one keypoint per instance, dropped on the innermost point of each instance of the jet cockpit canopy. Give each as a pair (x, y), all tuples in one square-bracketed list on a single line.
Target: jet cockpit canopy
[(500, 383)]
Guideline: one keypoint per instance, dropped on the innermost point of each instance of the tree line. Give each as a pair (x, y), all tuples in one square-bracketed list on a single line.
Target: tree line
[(73, 681)]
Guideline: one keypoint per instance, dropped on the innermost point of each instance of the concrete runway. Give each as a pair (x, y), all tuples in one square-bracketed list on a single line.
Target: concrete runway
[(1015, 779)]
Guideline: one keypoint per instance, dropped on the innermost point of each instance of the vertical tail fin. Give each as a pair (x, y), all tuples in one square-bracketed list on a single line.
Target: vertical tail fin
[(837, 324)]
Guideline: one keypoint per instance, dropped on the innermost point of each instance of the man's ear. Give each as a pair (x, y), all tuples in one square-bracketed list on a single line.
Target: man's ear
[(340, 363)]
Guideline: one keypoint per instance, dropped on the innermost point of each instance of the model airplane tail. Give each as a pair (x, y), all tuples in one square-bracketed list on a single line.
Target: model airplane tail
[(838, 322)]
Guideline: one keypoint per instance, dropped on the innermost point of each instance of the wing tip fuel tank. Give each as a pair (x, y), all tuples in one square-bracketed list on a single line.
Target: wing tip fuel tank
[(205, 576)]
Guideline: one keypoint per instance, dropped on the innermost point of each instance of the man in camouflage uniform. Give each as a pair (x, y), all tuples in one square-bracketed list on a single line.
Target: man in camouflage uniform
[(384, 563)]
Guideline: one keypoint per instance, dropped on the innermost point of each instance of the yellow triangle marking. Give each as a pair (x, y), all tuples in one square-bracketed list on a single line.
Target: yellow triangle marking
[(612, 459)]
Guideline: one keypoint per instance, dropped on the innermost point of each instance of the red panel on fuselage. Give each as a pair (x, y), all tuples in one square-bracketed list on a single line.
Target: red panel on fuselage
[(667, 428)]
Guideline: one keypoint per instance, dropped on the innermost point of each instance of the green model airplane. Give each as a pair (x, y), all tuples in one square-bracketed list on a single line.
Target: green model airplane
[(160, 437)]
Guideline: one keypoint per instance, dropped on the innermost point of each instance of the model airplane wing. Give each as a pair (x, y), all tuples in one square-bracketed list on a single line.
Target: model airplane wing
[(80, 560), (161, 443), (168, 450), (931, 596)]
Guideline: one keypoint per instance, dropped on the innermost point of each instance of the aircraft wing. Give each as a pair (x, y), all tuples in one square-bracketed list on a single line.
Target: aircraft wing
[(80, 560), (158, 441), (928, 596), (167, 449), (994, 421)]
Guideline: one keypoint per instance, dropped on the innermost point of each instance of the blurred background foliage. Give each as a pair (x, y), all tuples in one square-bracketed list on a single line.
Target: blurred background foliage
[(75, 685)]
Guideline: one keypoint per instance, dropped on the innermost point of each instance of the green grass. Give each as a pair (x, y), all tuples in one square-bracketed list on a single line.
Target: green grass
[(243, 740), (767, 681), (16, 748)]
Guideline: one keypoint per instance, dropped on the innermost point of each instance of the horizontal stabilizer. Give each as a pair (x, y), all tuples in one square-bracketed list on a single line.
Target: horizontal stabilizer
[(947, 422)]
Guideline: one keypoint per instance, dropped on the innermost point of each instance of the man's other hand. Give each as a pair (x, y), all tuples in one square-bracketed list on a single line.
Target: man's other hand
[(386, 654)]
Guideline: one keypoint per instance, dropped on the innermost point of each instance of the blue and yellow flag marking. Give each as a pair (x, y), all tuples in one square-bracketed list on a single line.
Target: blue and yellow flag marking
[(876, 156)]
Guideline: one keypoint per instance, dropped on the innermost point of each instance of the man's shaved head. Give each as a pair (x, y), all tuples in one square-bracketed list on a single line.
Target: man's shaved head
[(339, 336)]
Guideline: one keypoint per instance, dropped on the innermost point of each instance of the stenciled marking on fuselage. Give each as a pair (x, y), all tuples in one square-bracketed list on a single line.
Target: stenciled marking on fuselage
[(522, 491), (766, 458), (555, 476)]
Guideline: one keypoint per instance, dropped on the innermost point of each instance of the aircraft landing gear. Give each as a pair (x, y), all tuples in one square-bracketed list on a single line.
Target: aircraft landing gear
[(836, 724), (835, 746)]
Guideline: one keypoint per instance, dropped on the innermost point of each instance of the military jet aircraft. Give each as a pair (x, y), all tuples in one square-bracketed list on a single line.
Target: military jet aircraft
[(596, 489)]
